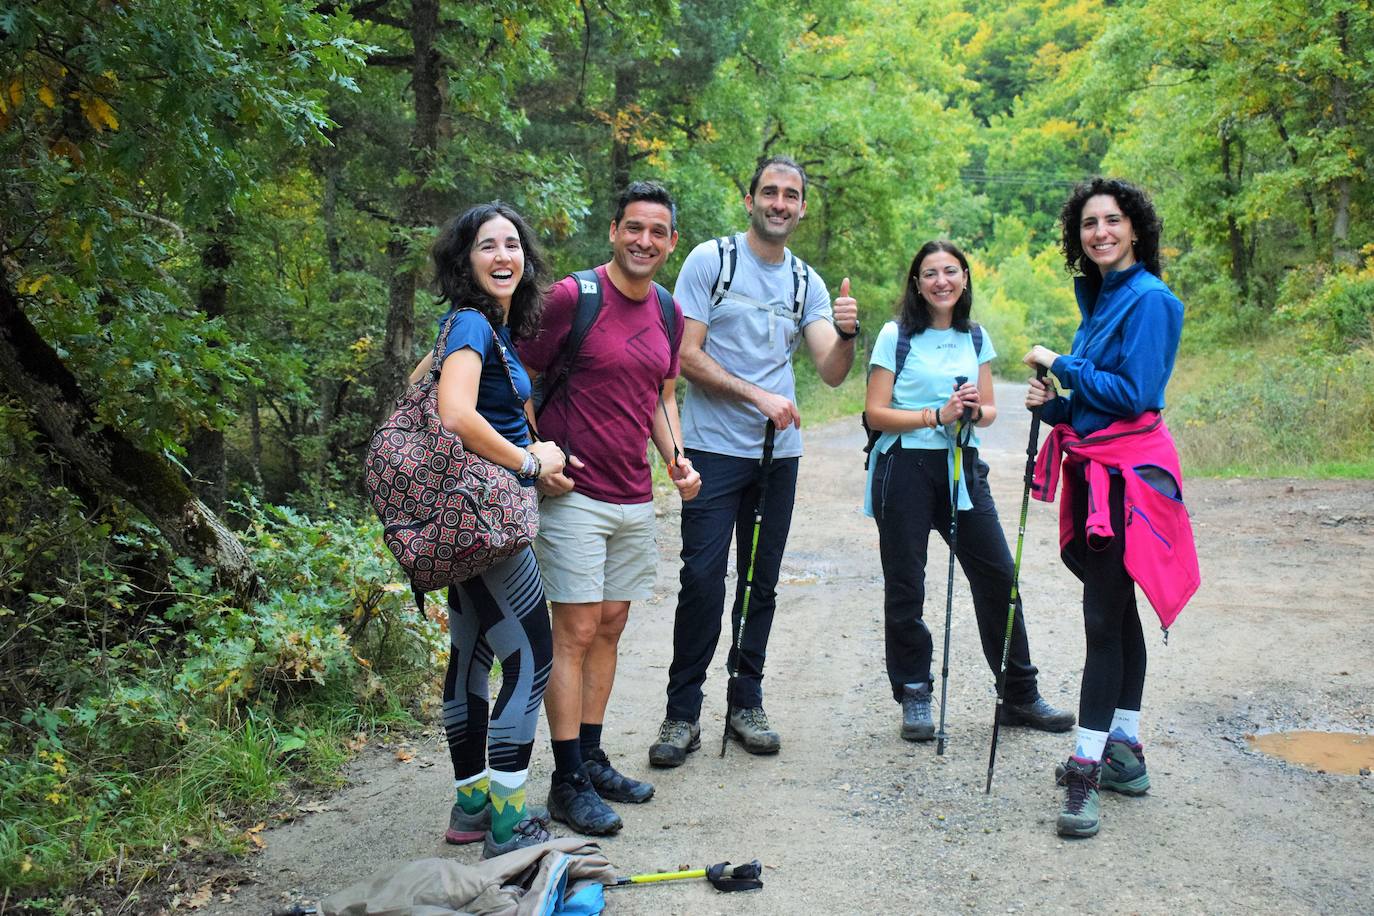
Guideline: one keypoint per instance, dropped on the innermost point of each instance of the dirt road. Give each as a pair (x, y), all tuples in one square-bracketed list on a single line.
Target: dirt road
[(851, 819)]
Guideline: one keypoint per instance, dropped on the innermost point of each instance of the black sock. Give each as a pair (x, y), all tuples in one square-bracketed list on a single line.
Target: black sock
[(590, 738), (567, 757)]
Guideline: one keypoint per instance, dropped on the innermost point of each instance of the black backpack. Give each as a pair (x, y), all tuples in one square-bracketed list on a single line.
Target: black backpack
[(589, 302), (904, 348), (729, 260)]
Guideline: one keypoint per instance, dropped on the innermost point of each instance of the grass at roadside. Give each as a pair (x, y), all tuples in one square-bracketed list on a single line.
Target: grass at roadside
[(1274, 411)]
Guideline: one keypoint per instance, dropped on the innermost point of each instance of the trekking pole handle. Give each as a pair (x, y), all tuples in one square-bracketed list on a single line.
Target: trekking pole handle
[(769, 431), (959, 382)]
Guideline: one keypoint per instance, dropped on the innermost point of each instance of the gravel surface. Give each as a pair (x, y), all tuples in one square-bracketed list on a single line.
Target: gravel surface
[(851, 819)]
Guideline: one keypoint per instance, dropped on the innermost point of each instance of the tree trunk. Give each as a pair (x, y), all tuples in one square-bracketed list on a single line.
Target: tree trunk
[(1341, 252), (417, 209), (1308, 200), (626, 88), (1239, 274), (205, 452), (105, 460)]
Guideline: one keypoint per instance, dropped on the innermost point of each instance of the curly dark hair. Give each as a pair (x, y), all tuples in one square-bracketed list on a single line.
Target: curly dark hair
[(1137, 207), (454, 281), (913, 309)]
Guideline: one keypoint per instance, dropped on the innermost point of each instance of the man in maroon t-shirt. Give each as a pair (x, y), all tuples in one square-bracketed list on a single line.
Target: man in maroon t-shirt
[(596, 545)]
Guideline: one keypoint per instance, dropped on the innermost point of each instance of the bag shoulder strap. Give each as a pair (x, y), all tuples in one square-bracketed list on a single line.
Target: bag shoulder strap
[(976, 331)]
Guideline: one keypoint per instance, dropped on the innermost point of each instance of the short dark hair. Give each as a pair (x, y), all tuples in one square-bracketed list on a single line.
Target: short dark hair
[(454, 281), (914, 311), (781, 162), (649, 191), (1137, 207)]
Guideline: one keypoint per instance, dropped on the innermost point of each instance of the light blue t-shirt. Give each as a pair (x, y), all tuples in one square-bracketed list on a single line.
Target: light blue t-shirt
[(936, 359), (752, 334)]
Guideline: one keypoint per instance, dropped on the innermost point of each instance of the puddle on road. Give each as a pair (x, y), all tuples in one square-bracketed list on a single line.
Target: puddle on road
[(1334, 752)]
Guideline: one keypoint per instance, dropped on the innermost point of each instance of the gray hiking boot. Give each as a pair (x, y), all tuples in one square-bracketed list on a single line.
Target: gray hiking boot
[(528, 832), (472, 828), (917, 724), (1037, 714), (1123, 768), (467, 828), (749, 726), (1080, 815), (676, 739)]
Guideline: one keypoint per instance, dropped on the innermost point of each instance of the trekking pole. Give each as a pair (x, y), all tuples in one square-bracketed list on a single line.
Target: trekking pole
[(1032, 447), (723, 877), (732, 670), (961, 426)]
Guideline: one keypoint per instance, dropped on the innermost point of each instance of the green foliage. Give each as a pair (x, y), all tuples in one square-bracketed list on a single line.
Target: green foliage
[(295, 140), (1277, 412)]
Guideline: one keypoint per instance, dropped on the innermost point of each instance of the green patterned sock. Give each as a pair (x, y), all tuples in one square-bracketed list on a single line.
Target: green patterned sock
[(472, 793), (507, 804)]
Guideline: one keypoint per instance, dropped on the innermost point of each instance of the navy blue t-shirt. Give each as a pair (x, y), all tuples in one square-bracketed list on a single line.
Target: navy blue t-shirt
[(495, 401)]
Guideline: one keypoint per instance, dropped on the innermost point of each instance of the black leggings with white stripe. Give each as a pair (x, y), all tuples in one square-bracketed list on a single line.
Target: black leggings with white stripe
[(500, 614)]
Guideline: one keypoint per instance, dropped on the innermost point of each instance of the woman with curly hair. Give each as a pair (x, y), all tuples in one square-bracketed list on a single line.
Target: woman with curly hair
[(914, 402), (491, 274), (1112, 383)]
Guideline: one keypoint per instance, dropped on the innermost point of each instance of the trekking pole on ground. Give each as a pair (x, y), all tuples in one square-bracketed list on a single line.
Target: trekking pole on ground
[(723, 877), (732, 670), (1032, 446), (961, 426)]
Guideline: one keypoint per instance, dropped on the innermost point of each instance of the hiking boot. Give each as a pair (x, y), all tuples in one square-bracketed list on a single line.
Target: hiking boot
[(528, 832), (1037, 714), (470, 828), (749, 726), (1123, 768), (573, 800), (676, 739), (917, 724), (612, 785), (467, 828), (1080, 815)]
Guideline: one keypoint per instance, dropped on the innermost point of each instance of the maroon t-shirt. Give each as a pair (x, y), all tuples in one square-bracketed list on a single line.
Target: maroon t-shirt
[(604, 413)]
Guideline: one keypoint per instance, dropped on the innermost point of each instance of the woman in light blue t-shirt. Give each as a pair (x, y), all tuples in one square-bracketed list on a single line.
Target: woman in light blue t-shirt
[(909, 490)]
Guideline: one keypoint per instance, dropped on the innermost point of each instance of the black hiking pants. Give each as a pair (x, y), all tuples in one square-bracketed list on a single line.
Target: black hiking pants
[(911, 497)]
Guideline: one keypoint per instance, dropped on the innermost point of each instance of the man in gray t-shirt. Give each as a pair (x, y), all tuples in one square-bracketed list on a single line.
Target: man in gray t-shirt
[(736, 353)]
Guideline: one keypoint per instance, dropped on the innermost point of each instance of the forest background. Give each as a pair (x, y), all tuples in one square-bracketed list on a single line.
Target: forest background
[(214, 221)]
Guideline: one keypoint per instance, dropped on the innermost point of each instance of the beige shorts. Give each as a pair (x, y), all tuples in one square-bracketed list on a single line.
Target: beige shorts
[(596, 551)]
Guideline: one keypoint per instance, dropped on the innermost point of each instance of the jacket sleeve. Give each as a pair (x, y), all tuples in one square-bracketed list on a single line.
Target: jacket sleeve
[(1149, 343)]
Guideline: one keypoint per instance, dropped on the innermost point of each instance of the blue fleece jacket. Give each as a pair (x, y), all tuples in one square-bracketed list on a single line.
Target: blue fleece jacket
[(1123, 351)]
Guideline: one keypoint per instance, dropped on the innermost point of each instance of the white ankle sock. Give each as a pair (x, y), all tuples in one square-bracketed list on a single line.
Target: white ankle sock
[(1090, 744), (1126, 725)]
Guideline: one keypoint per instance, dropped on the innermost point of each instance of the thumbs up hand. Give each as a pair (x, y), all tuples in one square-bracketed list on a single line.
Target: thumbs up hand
[(846, 310)]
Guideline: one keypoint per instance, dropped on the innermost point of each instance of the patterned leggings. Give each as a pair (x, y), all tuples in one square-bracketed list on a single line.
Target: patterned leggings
[(500, 614)]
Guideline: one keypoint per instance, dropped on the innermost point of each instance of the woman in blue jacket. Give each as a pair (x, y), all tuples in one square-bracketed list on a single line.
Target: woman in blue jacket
[(915, 406), (1123, 354)]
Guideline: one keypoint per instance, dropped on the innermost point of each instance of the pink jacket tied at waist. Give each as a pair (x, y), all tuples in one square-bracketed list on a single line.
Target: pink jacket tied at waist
[(1159, 550)]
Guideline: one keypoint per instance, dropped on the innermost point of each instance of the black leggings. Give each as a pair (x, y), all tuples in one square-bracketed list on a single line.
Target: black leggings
[(499, 614), (1114, 670)]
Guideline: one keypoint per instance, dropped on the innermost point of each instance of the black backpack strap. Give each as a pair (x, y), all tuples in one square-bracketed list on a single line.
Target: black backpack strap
[(977, 332), (729, 260), (588, 307), (665, 303), (903, 350)]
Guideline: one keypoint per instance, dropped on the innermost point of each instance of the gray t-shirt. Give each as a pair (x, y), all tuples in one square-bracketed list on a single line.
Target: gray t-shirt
[(752, 334)]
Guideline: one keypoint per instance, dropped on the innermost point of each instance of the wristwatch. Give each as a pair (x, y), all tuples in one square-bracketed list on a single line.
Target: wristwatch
[(845, 336)]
